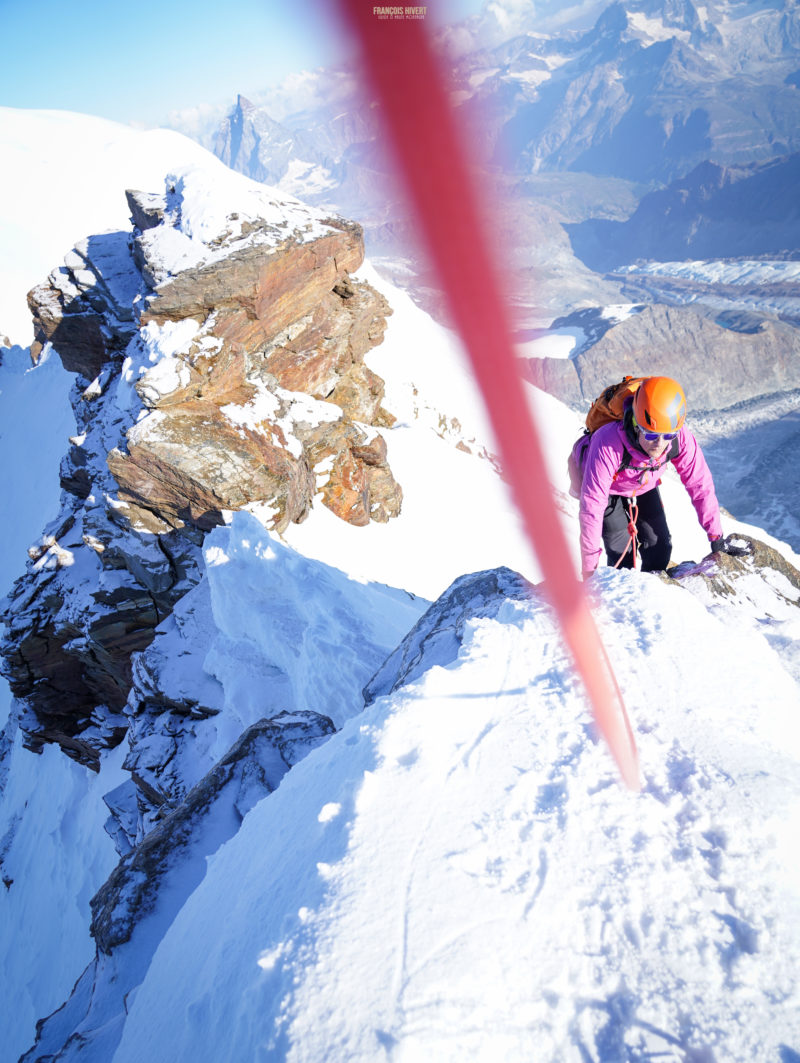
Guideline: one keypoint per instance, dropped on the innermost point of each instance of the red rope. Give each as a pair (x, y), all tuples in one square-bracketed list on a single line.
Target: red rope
[(412, 90), (633, 532)]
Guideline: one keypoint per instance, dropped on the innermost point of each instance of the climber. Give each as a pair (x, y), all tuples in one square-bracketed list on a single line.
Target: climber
[(620, 503)]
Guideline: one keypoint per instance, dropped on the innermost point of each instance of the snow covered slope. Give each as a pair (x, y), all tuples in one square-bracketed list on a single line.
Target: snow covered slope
[(458, 875), (62, 177)]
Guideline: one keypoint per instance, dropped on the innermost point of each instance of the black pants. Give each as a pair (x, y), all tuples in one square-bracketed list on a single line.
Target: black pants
[(655, 542)]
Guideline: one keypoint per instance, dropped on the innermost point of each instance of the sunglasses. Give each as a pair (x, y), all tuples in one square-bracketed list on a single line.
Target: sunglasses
[(653, 437)]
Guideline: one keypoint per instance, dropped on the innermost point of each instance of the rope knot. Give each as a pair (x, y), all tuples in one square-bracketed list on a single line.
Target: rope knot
[(633, 531)]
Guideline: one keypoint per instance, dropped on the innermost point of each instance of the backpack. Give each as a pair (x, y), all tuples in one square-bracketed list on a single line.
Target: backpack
[(608, 406)]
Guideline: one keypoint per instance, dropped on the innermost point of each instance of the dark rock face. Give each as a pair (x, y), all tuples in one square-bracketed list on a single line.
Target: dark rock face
[(69, 641), (147, 209)]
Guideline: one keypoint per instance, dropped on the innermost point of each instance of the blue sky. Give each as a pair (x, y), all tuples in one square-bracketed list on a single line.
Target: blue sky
[(137, 62)]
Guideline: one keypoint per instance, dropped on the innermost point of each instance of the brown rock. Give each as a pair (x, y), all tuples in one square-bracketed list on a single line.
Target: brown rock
[(361, 486), (268, 288), (194, 463), (385, 496), (372, 454), (368, 312), (312, 359), (190, 463), (324, 358), (359, 393), (347, 492)]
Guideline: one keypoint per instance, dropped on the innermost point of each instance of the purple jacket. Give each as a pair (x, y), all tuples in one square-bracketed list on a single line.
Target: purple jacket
[(601, 479)]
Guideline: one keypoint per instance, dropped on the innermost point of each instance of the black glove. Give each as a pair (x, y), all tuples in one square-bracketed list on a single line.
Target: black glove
[(725, 546)]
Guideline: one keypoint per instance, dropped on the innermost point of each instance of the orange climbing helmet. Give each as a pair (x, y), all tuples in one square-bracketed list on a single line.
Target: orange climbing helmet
[(659, 405)]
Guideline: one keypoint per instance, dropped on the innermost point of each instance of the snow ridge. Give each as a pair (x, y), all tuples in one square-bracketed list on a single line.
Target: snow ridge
[(460, 876)]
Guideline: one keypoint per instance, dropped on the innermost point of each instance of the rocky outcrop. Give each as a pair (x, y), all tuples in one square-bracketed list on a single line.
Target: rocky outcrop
[(256, 294), (219, 353), (722, 576), (276, 314), (718, 367), (86, 308), (252, 768), (236, 424), (435, 639)]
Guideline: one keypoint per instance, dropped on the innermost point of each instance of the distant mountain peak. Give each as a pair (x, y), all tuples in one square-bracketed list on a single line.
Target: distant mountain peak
[(243, 104)]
